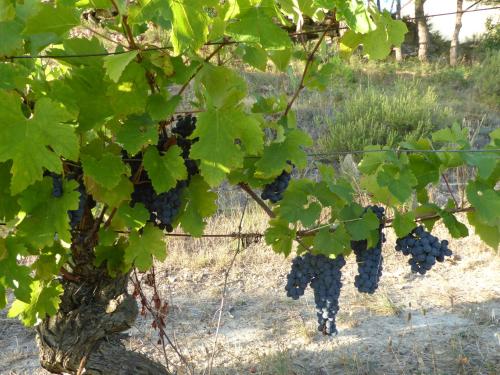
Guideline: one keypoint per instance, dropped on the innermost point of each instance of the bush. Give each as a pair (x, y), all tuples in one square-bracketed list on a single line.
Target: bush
[(384, 116), (486, 78)]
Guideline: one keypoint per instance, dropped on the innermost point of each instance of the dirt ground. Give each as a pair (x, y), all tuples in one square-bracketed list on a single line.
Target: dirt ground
[(447, 322)]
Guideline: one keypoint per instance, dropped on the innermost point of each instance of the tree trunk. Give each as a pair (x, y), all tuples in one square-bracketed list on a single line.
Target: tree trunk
[(454, 39), (423, 31), (85, 333), (397, 50)]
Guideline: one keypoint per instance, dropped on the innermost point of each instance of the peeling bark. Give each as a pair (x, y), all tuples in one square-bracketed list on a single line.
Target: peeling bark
[(86, 330)]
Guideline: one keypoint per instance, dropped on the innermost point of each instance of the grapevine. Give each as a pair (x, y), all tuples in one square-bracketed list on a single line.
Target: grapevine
[(91, 147)]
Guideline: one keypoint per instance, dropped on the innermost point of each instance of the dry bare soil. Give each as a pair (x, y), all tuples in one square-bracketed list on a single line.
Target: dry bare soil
[(447, 322)]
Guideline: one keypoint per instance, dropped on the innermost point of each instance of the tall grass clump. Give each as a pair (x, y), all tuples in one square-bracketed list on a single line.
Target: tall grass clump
[(486, 78), (385, 116)]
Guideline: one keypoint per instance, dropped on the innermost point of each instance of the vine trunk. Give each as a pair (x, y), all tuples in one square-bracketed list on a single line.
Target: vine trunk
[(86, 333)]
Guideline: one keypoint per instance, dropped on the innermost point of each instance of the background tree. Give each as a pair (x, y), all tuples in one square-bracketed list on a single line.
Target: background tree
[(423, 31), (455, 42), (397, 49)]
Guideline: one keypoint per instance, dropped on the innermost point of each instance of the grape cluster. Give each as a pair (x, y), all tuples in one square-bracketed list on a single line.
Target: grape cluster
[(274, 191), (57, 185), (369, 260), (299, 276), (324, 276), (164, 207), (424, 248), (76, 216)]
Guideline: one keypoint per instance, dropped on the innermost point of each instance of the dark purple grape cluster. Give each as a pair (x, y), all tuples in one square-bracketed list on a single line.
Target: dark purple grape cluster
[(326, 285), (424, 248), (76, 216), (275, 190), (369, 260), (164, 207), (57, 185), (299, 276), (324, 275)]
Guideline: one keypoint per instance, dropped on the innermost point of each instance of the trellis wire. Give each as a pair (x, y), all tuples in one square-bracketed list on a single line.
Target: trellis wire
[(313, 31)]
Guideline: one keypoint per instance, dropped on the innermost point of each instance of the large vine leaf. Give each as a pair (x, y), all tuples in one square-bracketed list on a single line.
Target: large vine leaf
[(44, 301), (199, 203), (26, 141), (296, 204), (12, 274), (255, 25), (280, 236), (143, 247), (164, 170), (219, 131), (48, 215), (189, 24), (277, 155), (106, 170)]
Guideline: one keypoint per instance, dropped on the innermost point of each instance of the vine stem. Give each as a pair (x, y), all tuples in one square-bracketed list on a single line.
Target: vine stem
[(247, 189), (449, 190), (309, 62)]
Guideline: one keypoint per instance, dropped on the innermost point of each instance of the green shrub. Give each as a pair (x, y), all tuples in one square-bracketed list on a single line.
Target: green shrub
[(486, 78), (384, 116)]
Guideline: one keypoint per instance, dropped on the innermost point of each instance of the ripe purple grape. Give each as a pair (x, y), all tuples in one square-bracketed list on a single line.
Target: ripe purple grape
[(424, 248)]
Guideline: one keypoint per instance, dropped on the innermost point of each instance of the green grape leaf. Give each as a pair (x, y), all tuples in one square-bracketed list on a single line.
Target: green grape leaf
[(12, 274), (256, 26), (7, 10), (372, 160), (218, 131), (112, 197), (88, 88), (116, 64), (8, 205), (280, 236), (189, 25), (490, 234), (49, 19), (276, 156), (199, 203), (403, 223), (49, 262), (295, 204), (220, 87), (164, 170), (48, 215), (143, 247), (106, 170), (44, 301), (399, 182), (253, 55), (137, 132), (332, 242), (359, 225), (11, 37), (159, 108), (26, 141), (485, 162), (486, 201), (455, 227), (130, 217), (130, 94), (112, 253), (13, 76)]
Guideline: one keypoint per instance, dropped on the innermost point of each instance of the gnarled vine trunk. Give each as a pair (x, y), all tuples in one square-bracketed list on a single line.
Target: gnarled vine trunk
[(85, 333)]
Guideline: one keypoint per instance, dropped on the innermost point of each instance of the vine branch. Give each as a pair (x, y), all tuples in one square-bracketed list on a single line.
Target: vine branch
[(309, 62)]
